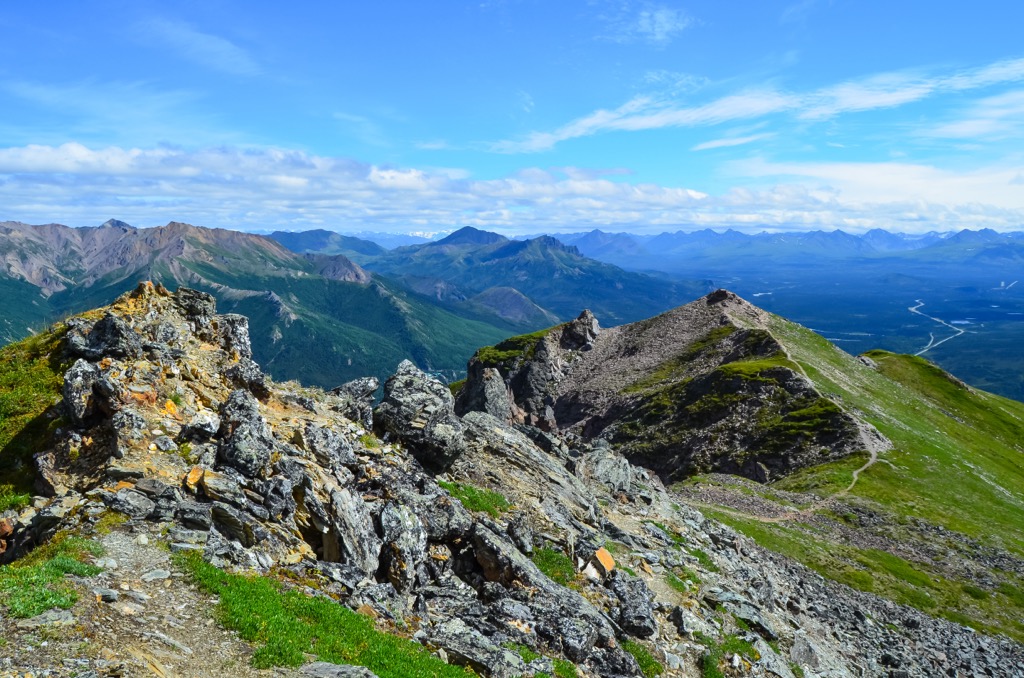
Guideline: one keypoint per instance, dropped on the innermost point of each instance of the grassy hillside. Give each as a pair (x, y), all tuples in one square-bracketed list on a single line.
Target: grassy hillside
[(938, 521), (31, 377)]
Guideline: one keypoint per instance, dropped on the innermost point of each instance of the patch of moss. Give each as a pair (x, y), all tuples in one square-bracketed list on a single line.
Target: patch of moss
[(555, 564), (456, 386), (717, 653)]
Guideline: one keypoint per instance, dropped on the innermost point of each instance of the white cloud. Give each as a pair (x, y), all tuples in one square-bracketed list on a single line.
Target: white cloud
[(727, 142), (258, 188), (885, 90), (894, 182), (995, 117), (654, 24), (204, 49)]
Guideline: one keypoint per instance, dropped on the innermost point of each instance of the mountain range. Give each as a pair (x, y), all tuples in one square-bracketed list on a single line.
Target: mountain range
[(319, 316), (464, 268)]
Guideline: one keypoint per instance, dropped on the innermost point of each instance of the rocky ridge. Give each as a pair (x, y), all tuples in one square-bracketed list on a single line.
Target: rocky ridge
[(166, 420)]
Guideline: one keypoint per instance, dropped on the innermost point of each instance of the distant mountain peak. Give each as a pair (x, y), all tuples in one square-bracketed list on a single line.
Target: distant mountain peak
[(117, 223), (468, 235)]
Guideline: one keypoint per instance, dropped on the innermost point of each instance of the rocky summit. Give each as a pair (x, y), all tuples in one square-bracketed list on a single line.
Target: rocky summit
[(513, 532), (703, 387)]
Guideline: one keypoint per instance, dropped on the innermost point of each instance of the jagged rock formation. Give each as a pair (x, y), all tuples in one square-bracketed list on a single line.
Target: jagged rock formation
[(704, 387), (165, 418)]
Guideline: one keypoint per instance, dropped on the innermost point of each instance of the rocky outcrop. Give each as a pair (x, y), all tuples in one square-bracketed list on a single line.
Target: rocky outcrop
[(418, 410)]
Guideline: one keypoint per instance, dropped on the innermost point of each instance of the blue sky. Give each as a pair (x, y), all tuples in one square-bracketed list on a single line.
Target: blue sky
[(515, 116)]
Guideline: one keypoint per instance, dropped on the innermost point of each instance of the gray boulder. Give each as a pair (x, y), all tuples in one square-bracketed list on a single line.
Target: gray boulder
[(113, 337), (330, 449), (78, 395), (636, 614), (418, 410), (357, 398), (246, 441), (485, 391)]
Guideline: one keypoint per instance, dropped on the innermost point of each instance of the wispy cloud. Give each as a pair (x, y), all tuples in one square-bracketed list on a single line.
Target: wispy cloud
[(114, 112), (727, 142), (650, 23), (259, 188), (886, 90), (797, 12), (366, 130), (204, 49), (997, 117)]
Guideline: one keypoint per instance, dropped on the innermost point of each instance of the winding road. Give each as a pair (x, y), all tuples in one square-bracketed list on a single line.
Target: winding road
[(931, 337)]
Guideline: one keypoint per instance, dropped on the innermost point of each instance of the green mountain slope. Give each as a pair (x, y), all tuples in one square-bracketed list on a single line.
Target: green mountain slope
[(937, 522), (554, 277)]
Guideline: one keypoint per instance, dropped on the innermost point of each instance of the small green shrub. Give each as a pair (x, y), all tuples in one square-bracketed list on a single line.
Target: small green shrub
[(456, 386), (975, 592)]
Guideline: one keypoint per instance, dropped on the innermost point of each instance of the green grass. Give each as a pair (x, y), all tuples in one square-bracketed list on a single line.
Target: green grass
[(477, 499), (703, 558), (287, 625), (680, 583), (31, 377), (717, 652), (35, 583), (369, 441), (649, 666), (555, 564), (456, 386)]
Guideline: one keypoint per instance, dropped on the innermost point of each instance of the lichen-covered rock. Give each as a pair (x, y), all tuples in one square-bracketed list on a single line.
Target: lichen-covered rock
[(418, 410), (78, 396), (357, 399), (246, 441), (353, 526), (330, 449), (111, 336), (325, 670), (468, 647), (405, 544), (247, 375), (234, 333), (636, 615)]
